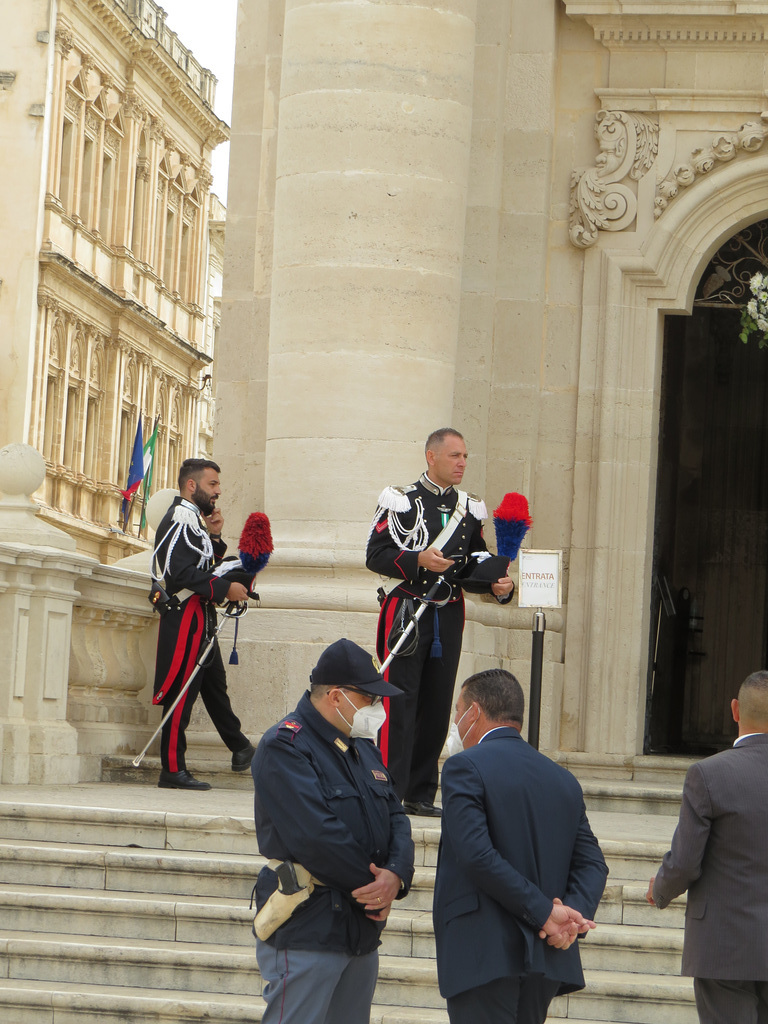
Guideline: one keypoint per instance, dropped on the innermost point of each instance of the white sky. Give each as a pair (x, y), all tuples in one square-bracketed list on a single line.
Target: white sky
[(208, 30)]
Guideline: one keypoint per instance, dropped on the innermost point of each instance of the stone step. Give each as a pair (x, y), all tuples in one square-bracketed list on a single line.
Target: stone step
[(634, 949), (637, 911), (207, 830), (644, 769), (631, 797), (628, 998), (113, 869), (56, 961), (644, 790), (209, 921), (216, 770), (212, 832), (632, 860), (214, 921), (181, 873), (180, 966), (39, 1002), (211, 829)]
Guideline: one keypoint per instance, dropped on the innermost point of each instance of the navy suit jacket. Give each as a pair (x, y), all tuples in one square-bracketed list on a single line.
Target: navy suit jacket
[(515, 835)]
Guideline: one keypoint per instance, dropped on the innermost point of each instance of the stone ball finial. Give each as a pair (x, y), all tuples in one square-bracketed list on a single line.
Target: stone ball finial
[(159, 504), (22, 469)]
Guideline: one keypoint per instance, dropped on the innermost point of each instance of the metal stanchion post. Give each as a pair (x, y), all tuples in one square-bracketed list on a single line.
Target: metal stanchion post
[(537, 658)]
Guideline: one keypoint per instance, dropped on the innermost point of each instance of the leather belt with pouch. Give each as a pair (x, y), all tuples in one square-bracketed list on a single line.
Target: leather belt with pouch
[(294, 886)]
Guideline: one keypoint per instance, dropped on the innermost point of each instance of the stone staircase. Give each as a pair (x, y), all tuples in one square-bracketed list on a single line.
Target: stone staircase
[(126, 903)]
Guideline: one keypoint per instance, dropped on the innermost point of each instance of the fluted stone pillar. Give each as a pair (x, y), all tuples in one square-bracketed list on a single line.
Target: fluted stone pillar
[(370, 201)]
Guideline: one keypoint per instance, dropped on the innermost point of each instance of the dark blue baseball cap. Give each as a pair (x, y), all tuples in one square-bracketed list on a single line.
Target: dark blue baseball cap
[(345, 663)]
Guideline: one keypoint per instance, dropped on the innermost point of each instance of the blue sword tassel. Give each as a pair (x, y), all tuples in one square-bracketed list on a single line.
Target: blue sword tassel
[(436, 651), (233, 658)]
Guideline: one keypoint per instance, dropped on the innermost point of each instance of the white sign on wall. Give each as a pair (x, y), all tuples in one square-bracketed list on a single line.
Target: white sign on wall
[(540, 579)]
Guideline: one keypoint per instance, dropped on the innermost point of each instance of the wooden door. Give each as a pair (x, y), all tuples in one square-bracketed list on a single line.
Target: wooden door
[(711, 530)]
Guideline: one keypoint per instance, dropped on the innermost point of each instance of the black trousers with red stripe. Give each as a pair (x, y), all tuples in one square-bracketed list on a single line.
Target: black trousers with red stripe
[(417, 723), (182, 637)]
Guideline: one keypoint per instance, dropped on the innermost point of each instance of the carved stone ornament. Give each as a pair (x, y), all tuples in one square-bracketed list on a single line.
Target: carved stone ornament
[(76, 359), (629, 143), (157, 129), (112, 140), (64, 41), (129, 384), (54, 346), (724, 147), (96, 371), (93, 122), (133, 107)]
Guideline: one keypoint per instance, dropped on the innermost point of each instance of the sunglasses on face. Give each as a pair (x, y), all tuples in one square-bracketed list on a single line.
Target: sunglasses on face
[(374, 697)]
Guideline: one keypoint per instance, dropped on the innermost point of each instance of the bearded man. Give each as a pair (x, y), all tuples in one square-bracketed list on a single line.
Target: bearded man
[(188, 546)]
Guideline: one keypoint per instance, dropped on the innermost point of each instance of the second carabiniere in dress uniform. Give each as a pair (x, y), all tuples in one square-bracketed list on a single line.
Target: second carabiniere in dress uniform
[(418, 534)]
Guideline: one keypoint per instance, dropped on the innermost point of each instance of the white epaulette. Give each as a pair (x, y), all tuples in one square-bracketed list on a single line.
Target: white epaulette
[(476, 507), (395, 499), (188, 517)]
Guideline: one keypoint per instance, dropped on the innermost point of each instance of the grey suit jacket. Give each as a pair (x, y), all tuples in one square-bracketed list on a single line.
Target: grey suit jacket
[(720, 855)]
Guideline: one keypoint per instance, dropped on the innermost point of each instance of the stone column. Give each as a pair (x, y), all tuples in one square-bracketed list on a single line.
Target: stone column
[(371, 183), (24, 152)]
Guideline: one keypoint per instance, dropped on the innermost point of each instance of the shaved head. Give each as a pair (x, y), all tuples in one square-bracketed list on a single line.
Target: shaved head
[(753, 699)]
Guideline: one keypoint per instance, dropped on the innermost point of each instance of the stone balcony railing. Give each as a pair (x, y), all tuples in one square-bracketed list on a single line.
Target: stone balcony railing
[(149, 18), (111, 666)]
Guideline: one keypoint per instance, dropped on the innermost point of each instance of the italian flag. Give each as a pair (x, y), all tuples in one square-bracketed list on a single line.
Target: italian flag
[(149, 464)]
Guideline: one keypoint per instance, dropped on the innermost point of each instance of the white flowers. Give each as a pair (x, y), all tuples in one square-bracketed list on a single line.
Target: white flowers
[(755, 316)]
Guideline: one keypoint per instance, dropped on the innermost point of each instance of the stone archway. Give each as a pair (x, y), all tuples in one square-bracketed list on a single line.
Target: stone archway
[(626, 294)]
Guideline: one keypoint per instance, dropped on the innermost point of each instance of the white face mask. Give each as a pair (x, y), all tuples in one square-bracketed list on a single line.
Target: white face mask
[(366, 721), (455, 744)]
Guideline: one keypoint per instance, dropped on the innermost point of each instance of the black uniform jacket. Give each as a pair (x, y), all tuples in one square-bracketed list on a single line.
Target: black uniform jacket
[(184, 628), (183, 572), (325, 801), (386, 558)]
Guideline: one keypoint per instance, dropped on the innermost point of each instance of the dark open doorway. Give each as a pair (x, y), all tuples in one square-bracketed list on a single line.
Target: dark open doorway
[(710, 593)]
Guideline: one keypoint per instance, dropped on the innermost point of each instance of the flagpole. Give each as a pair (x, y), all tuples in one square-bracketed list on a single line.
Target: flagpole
[(137, 459), (128, 513), (147, 481)]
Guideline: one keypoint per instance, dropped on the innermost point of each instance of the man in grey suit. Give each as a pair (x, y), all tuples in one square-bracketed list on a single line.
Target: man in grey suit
[(720, 855)]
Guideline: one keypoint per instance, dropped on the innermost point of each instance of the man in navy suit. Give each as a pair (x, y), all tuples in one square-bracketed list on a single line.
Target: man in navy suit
[(720, 856), (519, 872)]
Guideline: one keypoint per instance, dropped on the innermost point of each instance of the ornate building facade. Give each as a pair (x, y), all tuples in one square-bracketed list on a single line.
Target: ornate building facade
[(125, 259), (502, 215)]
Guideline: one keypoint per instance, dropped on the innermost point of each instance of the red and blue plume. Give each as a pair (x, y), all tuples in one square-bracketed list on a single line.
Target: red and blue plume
[(511, 521), (255, 545)]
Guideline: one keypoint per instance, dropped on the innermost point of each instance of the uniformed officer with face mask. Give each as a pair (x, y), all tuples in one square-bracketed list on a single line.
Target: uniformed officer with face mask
[(331, 824)]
